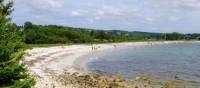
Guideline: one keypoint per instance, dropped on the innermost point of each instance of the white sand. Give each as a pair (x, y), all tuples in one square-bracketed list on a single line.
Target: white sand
[(56, 60), (46, 63)]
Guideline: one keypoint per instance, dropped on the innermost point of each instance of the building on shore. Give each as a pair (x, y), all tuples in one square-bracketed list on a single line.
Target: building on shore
[(187, 37), (198, 38)]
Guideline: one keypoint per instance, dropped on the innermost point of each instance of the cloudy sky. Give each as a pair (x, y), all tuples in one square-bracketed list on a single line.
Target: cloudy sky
[(133, 15)]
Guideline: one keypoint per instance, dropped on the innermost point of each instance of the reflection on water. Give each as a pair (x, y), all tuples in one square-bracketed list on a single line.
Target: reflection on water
[(167, 61)]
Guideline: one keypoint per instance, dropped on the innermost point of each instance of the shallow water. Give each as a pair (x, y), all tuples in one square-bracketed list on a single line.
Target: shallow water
[(164, 61)]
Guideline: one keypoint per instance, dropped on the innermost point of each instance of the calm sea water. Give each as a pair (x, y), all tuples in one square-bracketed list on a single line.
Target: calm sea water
[(160, 60)]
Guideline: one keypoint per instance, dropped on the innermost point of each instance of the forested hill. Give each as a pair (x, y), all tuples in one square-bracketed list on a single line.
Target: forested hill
[(38, 34)]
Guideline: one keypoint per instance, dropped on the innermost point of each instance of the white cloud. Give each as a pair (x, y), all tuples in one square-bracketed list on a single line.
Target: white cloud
[(115, 13), (97, 18), (149, 19), (53, 3), (75, 13), (120, 10), (110, 13), (113, 10), (173, 18), (79, 13), (175, 4), (41, 4)]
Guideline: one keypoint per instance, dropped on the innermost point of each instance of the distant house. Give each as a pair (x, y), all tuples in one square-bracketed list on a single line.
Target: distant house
[(188, 37), (198, 38), (127, 34), (118, 33), (151, 39)]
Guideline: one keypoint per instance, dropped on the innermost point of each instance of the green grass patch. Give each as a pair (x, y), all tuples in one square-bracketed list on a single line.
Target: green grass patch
[(28, 46)]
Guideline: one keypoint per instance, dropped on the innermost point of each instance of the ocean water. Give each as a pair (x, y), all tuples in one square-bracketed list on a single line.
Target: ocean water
[(165, 61)]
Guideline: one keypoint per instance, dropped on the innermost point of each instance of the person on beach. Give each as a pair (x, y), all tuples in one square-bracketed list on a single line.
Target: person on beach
[(94, 48), (115, 46)]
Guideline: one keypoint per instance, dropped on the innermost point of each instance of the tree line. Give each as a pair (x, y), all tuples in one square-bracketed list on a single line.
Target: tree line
[(50, 34)]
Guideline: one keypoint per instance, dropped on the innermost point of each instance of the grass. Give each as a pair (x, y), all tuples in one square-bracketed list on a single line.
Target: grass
[(28, 46)]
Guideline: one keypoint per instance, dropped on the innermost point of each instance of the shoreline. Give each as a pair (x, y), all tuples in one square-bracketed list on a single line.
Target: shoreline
[(47, 64)]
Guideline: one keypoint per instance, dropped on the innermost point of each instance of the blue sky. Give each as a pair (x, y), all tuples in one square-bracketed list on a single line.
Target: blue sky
[(132, 15)]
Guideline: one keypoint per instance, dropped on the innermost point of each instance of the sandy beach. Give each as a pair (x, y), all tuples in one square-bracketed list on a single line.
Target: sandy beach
[(47, 64)]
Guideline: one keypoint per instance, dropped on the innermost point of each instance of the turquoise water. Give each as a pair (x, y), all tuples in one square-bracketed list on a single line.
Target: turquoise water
[(167, 61)]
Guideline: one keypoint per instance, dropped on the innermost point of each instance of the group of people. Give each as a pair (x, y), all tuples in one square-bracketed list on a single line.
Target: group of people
[(97, 47)]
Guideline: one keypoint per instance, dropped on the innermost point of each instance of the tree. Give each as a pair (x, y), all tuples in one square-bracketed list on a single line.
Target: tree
[(173, 36), (28, 25), (6, 31), (10, 44), (101, 35)]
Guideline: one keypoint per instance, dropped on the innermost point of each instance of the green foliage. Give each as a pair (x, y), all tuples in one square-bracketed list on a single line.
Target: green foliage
[(52, 34), (48, 34), (24, 83), (11, 42), (173, 36), (29, 46)]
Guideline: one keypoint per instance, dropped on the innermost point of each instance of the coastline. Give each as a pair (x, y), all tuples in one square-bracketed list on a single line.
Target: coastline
[(46, 65)]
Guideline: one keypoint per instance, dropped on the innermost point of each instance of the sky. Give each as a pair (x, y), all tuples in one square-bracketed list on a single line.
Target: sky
[(132, 15)]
